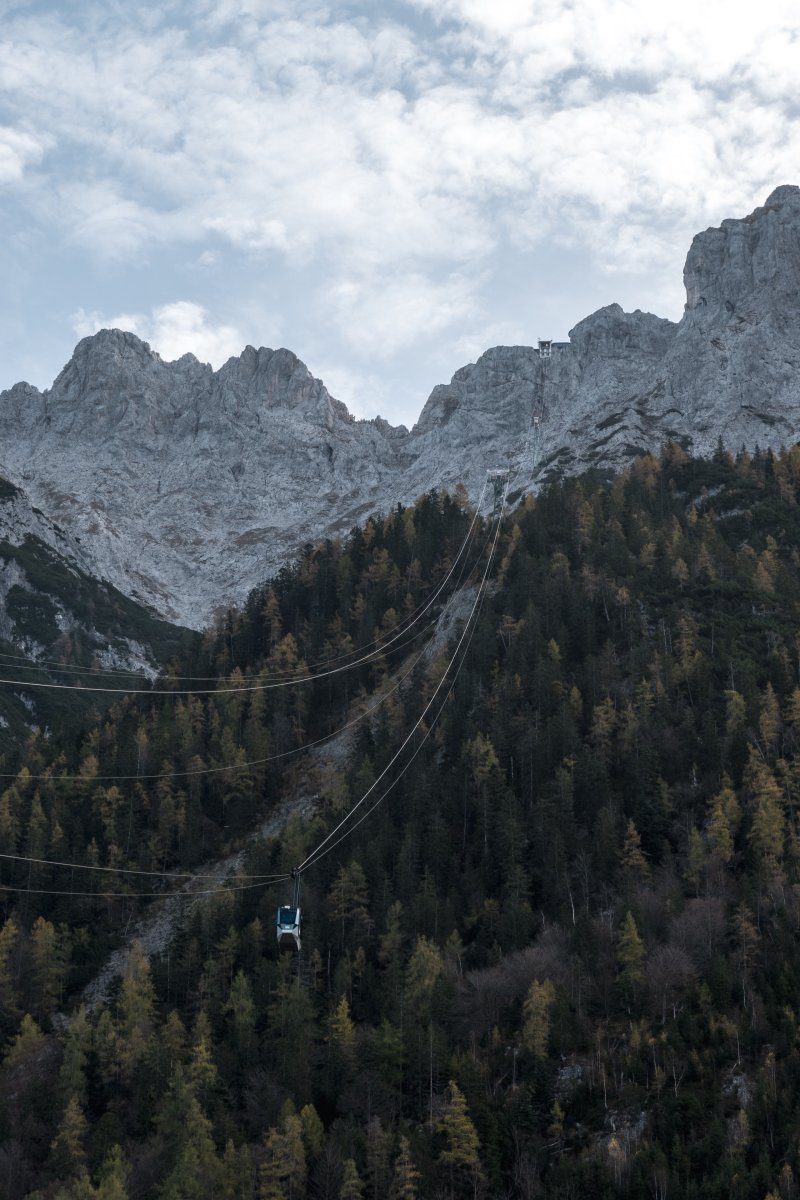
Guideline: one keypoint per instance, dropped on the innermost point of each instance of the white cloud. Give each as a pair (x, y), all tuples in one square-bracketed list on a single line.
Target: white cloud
[(499, 17), (363, 392), (391, 168), (18, 150), (410, 307), (471, 344), (353, 141), (100, 218), (708, 41), (172, 330)]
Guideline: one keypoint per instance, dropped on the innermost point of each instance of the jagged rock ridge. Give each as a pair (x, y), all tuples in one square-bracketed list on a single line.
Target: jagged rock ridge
[(185, 487)]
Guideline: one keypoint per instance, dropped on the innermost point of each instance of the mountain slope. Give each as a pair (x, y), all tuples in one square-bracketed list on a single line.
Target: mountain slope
[(55, 618), (188, 486), (559, 958)]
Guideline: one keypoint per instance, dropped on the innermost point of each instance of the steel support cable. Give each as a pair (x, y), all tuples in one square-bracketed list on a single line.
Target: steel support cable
[(272, 681), (196, 875), (254, 762), (39, 664), (309, 860), (244, 688), (322, 849), (258, 762), (52, 862), (378, 643), (319, 853), (245, 887), (394, 782), (316, 855)]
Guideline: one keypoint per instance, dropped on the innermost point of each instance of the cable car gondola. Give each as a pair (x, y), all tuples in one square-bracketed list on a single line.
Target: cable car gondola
[(288, 923)]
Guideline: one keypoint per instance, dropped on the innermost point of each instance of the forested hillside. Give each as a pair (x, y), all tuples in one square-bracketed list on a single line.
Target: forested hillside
[(559, 959)]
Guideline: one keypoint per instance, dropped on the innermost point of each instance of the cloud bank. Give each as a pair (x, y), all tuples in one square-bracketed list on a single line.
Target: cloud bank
[(391, 155)]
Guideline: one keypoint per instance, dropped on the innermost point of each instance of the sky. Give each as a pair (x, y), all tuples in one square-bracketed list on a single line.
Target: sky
[(386, 187)]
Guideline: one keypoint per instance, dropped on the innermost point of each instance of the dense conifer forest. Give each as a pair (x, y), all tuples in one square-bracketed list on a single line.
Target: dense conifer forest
[(560, 959)]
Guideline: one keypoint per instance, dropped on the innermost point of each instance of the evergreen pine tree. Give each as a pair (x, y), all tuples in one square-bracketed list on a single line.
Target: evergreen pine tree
[(72, 1076), (67, 1154), (406, 1177), (460, 1153), (351, 1187), (634, 864), (283, 1171), (9, 1011), (536, 1011), (630, 953), (342, 1031), (136, 1014), (111, 1184)]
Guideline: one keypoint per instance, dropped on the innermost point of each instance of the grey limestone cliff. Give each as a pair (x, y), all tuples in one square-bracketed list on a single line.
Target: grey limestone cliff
[(53, 608), (185, 486)]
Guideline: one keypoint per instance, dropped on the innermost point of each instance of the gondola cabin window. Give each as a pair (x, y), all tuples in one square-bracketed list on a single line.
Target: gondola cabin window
[(288, 929)]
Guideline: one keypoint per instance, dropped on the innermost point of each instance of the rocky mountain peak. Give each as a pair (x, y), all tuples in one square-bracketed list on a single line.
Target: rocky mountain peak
[(106, 353), (113, 343), (747, 264), (186, 486), (785, 193), (273, 379), (612, 333)]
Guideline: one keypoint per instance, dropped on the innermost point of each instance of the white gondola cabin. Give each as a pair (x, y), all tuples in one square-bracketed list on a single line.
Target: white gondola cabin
[(288, 925)]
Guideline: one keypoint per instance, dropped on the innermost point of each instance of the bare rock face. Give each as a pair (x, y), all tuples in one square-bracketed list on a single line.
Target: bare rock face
[(185, 487), (733, 369), (189, 485), (53, 607), (627, 382), (747, 266)]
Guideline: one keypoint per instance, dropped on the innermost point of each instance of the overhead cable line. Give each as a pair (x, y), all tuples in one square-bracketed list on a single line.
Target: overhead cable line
[(257, 687), (317, 852), (238, 766), (325, 846), (423, 740), (245, 887), (40, 664), (256, 762), (271, 683), (51, 862), (379, 644), (259, 880)]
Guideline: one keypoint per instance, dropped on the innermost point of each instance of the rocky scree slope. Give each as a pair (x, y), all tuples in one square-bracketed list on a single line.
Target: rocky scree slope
[(188, 486)]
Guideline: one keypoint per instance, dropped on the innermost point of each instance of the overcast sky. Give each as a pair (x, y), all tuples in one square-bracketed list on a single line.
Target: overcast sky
[(387, 187)]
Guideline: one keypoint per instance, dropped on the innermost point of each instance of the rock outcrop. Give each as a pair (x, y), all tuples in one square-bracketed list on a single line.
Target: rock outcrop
[(53, 609), (185, 487)]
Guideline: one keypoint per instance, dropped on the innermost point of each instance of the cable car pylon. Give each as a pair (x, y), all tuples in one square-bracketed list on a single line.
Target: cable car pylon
[(498, 477)]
